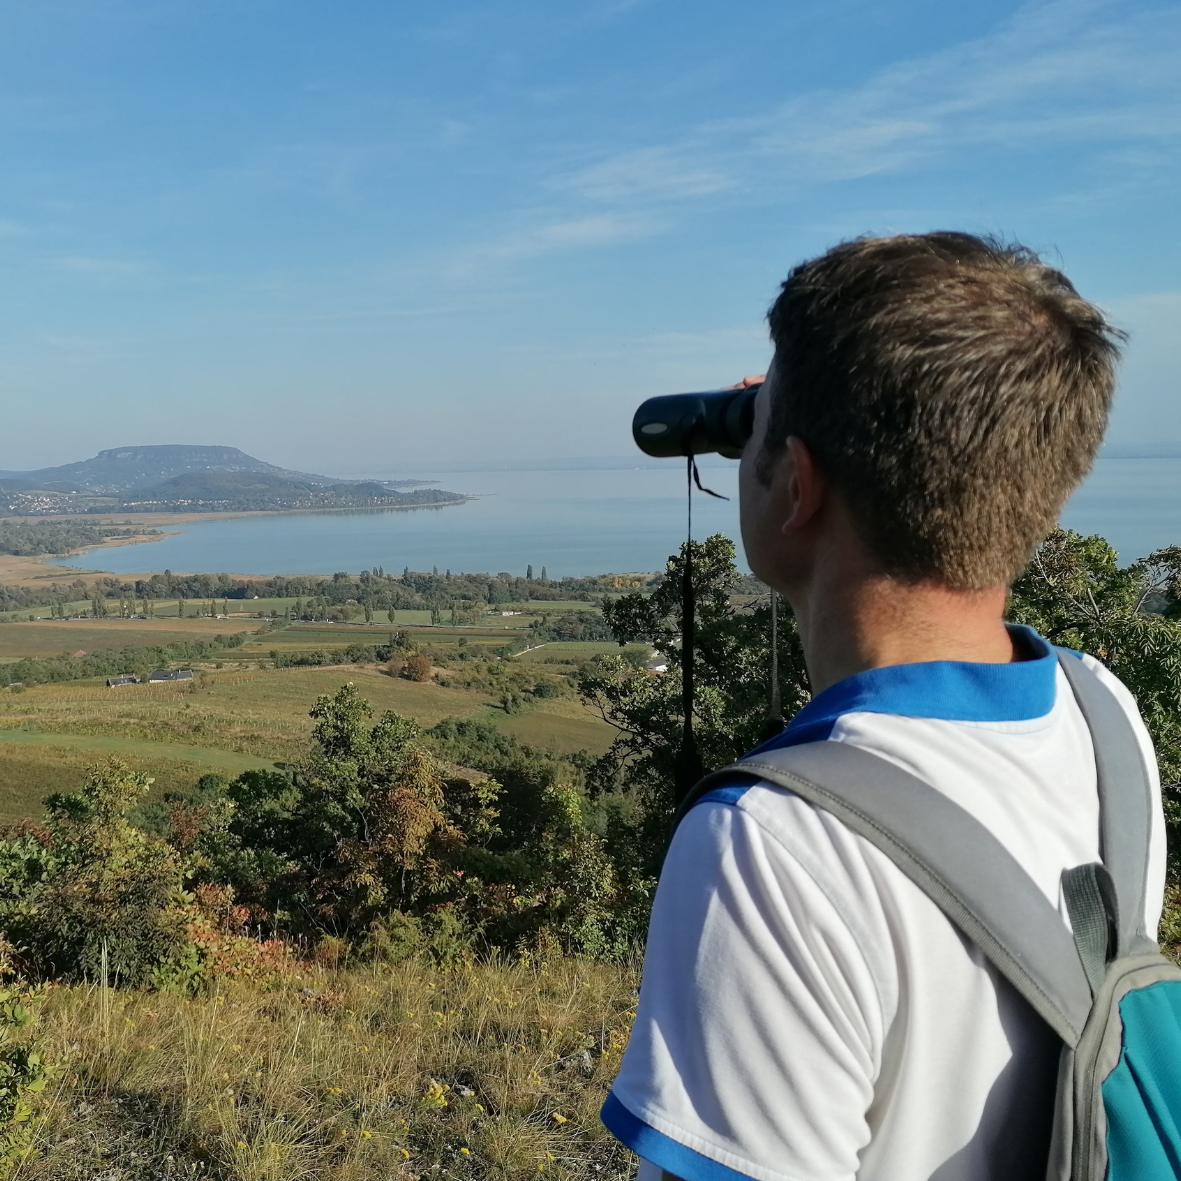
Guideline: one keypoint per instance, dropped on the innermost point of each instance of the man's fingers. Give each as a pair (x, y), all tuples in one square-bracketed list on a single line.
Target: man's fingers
[(747, 382)]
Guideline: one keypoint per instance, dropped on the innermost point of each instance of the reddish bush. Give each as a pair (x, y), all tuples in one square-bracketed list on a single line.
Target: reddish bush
[(418, 668)]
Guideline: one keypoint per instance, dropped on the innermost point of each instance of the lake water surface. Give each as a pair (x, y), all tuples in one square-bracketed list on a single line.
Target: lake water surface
[(574, 523)]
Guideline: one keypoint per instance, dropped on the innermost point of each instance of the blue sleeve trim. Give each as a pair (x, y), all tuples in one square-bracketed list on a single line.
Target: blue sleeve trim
[(731, 793), (659, 1149)]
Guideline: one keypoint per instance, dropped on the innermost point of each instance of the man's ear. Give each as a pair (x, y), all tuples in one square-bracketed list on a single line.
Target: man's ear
[(806, 486)]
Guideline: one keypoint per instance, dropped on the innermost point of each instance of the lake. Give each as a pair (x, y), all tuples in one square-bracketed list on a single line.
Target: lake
[(574, 523)]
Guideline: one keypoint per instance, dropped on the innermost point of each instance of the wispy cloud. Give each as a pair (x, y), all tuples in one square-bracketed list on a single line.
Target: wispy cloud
[(1068, 71), (104, 269), (607, 229)]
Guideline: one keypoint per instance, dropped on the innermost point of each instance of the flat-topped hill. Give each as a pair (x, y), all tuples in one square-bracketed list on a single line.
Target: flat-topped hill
[(123, 469)]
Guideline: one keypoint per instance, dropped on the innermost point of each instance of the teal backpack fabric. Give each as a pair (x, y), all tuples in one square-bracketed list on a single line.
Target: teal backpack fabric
[(1102, 985), (1142, 1095)]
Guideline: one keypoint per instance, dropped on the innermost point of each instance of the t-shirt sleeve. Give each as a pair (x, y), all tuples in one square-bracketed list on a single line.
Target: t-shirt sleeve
[(760, 1025)]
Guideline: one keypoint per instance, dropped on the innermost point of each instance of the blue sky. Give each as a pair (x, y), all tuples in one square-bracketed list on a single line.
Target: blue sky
[(366, 236)]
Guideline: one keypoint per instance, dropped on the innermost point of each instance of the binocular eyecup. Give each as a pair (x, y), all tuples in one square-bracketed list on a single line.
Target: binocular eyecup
[(696, 424)]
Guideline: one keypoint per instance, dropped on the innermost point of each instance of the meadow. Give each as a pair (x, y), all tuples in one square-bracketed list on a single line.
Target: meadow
[(240, 712), (489, 1070)]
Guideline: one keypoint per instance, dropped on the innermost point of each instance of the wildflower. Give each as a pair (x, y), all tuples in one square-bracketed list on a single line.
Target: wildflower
[(558, 1119), (241, 1144), (405, 1153), (479, 1107), (464, 1152), (367, 1135)]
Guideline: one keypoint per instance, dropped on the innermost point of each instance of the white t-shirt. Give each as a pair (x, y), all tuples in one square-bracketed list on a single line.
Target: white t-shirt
[(806, 1012)]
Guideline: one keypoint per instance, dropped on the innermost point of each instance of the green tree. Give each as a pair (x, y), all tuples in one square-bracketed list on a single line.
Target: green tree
[(1076, 595), (732, 672)]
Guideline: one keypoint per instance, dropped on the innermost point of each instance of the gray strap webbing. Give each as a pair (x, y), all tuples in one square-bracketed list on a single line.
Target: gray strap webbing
[(949, 855), (1094, 918), (1124, 795)]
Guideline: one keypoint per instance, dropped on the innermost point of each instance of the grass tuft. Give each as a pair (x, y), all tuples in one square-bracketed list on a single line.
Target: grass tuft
[(494, 1070)]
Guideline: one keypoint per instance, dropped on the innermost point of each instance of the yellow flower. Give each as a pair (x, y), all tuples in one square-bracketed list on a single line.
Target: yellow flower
[(241, 1144), (405, 1153), (479, 1107), (367, 1135), (464, 1152), (558, 1119)]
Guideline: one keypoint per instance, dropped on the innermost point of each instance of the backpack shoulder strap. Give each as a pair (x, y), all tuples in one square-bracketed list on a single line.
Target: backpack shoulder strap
[(1125, 809), (949, 855)]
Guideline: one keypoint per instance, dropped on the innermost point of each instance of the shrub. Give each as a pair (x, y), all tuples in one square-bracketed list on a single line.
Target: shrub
[(418, 667), (93, 894), (23, 1074)]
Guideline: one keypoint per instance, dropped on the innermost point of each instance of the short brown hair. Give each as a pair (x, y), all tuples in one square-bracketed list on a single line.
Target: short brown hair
[(953, 389)]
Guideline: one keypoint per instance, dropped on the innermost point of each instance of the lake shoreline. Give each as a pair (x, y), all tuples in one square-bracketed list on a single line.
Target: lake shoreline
[(38, 569)]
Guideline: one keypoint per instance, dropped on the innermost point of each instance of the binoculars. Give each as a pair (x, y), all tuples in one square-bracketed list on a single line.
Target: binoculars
[(695, 424)]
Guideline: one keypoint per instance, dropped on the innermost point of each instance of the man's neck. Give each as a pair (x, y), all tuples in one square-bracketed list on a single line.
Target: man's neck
[(851, 621)]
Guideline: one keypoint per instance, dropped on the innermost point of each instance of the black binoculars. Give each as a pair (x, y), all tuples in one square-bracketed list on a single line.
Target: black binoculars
[(695, 424)]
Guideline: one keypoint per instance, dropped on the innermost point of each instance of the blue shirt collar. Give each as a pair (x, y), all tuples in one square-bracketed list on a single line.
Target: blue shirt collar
[(950, 690)]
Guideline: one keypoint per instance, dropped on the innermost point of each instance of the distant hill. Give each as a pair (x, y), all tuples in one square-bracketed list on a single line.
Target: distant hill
[(220, 491), (122, 469), (195, 479)]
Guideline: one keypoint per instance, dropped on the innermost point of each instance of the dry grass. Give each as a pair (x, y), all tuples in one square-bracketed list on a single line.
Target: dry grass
[(406, 1072)]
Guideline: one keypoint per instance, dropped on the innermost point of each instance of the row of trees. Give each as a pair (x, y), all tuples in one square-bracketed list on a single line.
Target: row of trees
[(373, 589)]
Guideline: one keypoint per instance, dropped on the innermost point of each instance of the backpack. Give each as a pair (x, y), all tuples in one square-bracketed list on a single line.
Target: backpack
[(1106, 990)]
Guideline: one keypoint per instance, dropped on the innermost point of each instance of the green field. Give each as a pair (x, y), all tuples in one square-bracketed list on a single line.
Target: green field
[(33, 766), (51, 637), (247, 714)]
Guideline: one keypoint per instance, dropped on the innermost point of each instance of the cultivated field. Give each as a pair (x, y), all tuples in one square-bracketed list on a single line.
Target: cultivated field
[(52, 637), (241, 712)]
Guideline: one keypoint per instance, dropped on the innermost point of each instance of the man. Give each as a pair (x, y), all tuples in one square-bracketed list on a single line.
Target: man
[(807, 1013)]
